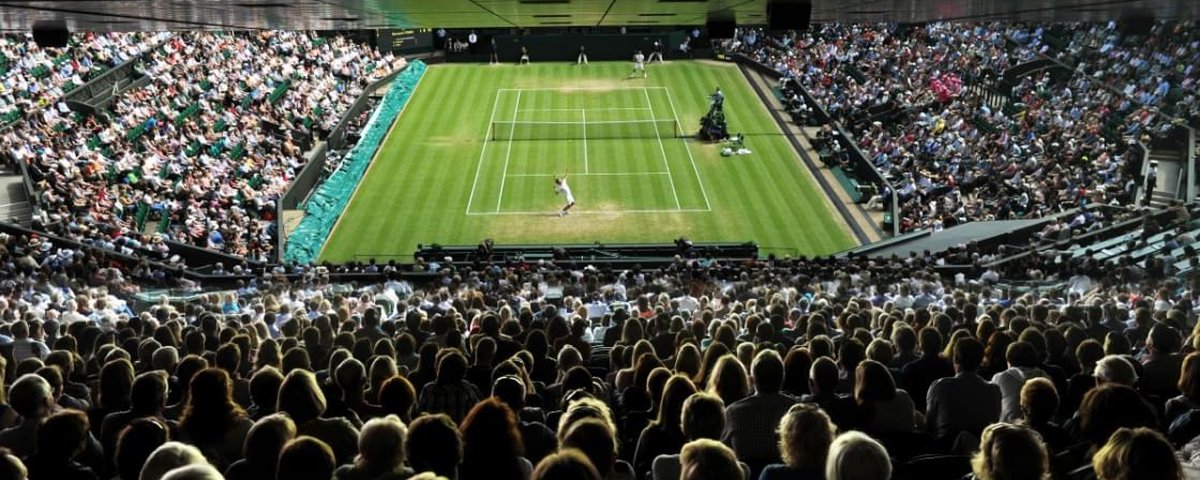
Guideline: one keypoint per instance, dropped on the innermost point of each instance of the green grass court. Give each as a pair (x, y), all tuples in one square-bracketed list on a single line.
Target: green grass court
[(475, 150)]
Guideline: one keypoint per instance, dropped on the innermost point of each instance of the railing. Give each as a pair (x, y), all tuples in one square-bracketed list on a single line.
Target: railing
[(314, 170)]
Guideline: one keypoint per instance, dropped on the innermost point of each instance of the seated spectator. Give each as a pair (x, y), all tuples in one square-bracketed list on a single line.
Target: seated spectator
[(31, 398), (449, 393), (213, 421), (264, 392), (11, 467), (434, 445), (1022, 366), (380, 452), (1008, 451), (1137, 453), (263, 443), (922, 372), (751, 423), (597, 440), (805, 434), (539, 439), (1189, 385), (568, 464), (1039, 402), (397, 397), (706, 459), (1161, 363), (823, 380), (148, 398), (169, 456), (729, 380), (855, 456), (665, 434), (201, 471), (302, 400), (305, 458), (135, 444), (1115, 369), (61, 438), (965, 402), (703, 417), (883, 408), (492, 446)]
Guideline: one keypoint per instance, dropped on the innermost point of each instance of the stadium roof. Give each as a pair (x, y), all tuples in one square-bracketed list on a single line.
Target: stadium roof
[(128, 15)]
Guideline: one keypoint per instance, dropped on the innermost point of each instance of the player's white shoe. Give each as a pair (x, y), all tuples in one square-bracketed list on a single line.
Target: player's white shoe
[(562, 213)]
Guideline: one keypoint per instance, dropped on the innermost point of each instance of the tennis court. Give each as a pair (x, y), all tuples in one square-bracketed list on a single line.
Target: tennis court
[(610, 141)]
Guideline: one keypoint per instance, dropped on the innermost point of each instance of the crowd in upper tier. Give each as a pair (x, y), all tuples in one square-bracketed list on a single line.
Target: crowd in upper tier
[(954, 154), (200, 149)]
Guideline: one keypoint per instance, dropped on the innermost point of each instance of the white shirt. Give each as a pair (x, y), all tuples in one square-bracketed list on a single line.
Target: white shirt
[(565, 189)]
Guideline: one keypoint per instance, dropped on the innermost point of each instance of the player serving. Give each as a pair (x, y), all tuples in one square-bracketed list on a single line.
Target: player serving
[(560, 186), (639, 64)]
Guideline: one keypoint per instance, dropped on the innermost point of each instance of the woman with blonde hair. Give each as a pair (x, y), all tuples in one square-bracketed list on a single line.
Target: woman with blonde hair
[(805, 434), (855, 456), (1010, 452), (1137, 454), (729, 380)]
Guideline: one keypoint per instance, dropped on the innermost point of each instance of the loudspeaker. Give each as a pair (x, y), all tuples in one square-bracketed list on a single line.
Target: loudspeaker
[(1135, 22), (721, 28), (789, 14), (51, 34)]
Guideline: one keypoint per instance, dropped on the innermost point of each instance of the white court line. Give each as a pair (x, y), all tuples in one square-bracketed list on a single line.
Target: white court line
[(554, 213), (585, 156), (569, 89), (688, 149), (508, 154), (607, 174), (487, 134), (577, 109), (664, 152)]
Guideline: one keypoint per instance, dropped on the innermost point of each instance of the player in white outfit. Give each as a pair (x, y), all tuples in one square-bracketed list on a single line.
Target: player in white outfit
[(639, 64), (560, 186)]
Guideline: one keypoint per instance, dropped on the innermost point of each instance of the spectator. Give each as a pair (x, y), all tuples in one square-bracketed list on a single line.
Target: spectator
[(805, 434), (883, 408), (707, 459), (61, 438), (1137, 453), (212, 421), (492, 446), (919, 374), (169, 456), (965, 402), (703, 417), (147, 399), (305, 458), (264, 442), (434, 445), (597, 441), (1189, 384), (303, 401), (31, 398), (397, 397), (751, 422), (1022, 366), (823, 379), (381, 452), (855, 456), (665, 434), (449, 393), (135, 444), (568, 464), (1039, 402), (1009, 451)]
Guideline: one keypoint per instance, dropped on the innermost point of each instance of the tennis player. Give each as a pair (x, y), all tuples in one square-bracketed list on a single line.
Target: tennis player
[(560, 186), (639, 64)]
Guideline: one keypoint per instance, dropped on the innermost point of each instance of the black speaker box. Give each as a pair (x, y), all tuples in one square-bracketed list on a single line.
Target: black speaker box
[(789, 14), (51, 34), (721, 28)]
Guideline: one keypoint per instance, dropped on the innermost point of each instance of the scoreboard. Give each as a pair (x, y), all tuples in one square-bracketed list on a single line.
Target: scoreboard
[(410, 40)]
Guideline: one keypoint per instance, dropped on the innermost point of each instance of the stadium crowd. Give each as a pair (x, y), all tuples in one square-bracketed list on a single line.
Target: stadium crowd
[(817, 368), (35, 77), (199, 153), (953, 154)]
